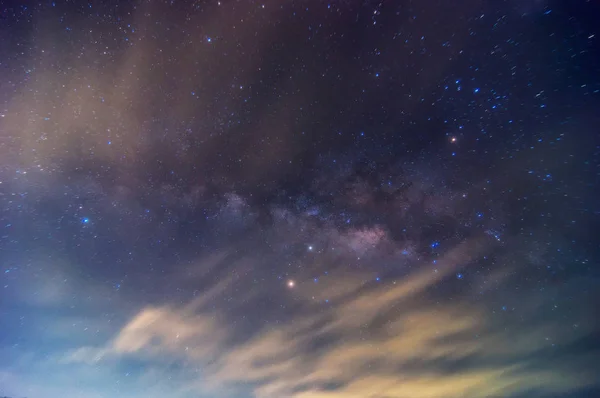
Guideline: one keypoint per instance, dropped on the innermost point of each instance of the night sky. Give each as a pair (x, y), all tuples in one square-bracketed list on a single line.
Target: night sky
[(300, 199)]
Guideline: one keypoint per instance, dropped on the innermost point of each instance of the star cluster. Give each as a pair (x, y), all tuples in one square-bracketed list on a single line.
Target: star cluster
[(299, 199)]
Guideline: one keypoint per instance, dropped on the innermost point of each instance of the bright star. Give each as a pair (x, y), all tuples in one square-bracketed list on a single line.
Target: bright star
[(291, 284)]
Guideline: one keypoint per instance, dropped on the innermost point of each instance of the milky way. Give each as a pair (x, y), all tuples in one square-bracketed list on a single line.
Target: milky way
[(353, 199)]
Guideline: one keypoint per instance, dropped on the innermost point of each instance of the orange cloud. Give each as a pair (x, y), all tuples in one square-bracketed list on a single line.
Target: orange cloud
[(383, 341)]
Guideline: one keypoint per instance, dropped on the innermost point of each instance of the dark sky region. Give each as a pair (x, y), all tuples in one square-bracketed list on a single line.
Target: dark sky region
[(299, 199)]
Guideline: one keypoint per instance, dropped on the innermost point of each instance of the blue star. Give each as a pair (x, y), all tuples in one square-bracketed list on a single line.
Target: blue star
[(85, 220), (434, 244), (459, 276)]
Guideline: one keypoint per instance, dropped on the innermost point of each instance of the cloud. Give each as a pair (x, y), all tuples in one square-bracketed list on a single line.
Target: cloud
[(386, 340), (157, 330)]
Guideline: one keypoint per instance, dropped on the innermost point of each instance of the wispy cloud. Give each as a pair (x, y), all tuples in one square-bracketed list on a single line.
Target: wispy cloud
[(390, 340)]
